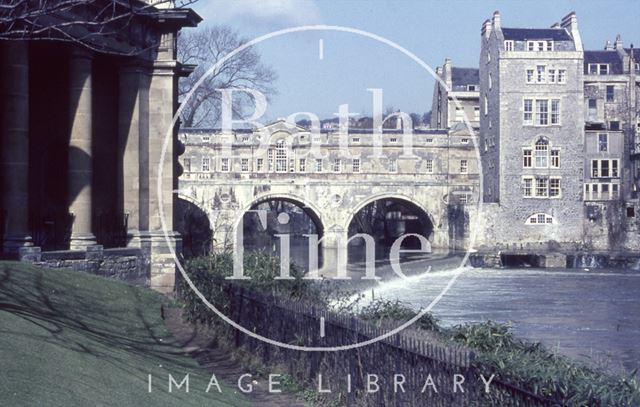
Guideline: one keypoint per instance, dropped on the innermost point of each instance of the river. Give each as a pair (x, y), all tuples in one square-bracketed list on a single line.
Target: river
[(592, 316)]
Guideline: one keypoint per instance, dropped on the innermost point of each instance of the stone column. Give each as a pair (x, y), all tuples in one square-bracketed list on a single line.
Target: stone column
[(80, 154), (133, 139), (15, 145), (163, 98)]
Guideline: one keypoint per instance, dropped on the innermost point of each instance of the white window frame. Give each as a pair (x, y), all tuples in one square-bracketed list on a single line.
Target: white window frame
[(355, 165), (530, 75), (429, 165), (542, 117), (508, 45), (281, 159), (244, 164), (393, 165), (597, 69), (464, 166), (319, 164), (562, 76), (225, 164), (613, 167), (206, 164), (336, 165), (603, 142), (534, 220), (527, 157), (541, 74), (554, 158), (594, 191), (259, 164), (302, 164)]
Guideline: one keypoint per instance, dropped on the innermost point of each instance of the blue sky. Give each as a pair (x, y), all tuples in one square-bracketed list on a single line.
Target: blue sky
[(433, 30)]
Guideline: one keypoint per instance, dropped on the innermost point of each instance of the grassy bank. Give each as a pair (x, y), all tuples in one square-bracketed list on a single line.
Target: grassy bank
[(72, 339)]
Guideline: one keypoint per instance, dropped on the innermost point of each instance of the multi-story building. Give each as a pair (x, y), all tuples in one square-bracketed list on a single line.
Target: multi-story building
[(531, 130), (456, 97), (558, 132)]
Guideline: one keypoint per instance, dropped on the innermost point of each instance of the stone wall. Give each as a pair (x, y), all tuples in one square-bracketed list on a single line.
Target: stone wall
[(129, 265)]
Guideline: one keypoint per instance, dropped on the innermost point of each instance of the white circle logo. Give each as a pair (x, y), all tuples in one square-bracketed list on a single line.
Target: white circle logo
[(168, 139)]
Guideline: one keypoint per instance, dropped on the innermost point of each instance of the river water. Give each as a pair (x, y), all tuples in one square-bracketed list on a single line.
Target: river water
[(593, 316)]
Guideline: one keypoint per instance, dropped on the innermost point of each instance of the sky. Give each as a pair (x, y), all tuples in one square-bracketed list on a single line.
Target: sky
[(318, 81)]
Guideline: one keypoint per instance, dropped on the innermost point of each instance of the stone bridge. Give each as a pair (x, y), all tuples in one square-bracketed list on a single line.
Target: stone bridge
[(441, 175)]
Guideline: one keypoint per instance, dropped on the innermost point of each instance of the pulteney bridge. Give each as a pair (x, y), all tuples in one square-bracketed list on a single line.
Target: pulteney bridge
[(439, 182)]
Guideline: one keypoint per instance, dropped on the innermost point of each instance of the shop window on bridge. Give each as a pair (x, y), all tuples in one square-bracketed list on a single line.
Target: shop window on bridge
[(319, 164), (260, 164), (393, 165), (464, 166), (356, 165), (429, 166), (206, 164), (302, 165), (244, 164), (281, 156), (540, 219), (337, 165), (224, 165)]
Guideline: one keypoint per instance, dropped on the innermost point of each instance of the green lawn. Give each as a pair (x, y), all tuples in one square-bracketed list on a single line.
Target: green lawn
[(72, 339)]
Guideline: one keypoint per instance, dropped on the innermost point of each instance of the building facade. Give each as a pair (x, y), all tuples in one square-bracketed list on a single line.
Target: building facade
[(557, 136), (81, 137), (438, 177), (455, 98)]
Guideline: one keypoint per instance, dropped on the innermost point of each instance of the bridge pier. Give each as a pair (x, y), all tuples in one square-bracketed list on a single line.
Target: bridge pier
[(334, 254)]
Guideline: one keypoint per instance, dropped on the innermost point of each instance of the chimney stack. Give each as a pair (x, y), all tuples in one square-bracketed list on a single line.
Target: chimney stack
[(486, 28), (608, 46), (496, 20), (618, 43), (570, 23)]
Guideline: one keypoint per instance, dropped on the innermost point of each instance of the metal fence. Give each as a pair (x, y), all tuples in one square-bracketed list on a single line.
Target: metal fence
[(411, 356)]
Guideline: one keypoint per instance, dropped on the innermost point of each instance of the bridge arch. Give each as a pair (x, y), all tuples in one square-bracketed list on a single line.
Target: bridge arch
[(351, 212), (424, 222), (309, 208)]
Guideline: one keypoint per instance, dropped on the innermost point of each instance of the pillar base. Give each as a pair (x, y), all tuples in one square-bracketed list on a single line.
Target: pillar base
[(11, 245), (80, 242), (162, 264)]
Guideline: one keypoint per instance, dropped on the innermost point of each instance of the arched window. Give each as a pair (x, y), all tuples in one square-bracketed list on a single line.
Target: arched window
[(281, 156), (540, 219), (542, 153)]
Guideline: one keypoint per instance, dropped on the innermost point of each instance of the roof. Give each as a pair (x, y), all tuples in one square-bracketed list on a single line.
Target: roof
[(611, 57), (465, 76), (523, 34)]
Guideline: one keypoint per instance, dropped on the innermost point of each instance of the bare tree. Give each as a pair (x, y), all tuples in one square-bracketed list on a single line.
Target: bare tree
[(96, 24), (204, 48)]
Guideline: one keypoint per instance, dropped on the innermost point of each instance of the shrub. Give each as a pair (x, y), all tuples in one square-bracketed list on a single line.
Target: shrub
[(380, 309)]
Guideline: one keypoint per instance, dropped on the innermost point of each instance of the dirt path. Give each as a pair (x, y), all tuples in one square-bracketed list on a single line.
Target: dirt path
[(219, 362)]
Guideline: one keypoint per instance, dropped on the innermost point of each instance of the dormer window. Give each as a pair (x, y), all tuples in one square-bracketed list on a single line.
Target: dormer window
[(598, 69), (508, 45), (471, 88), (539, 45)]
